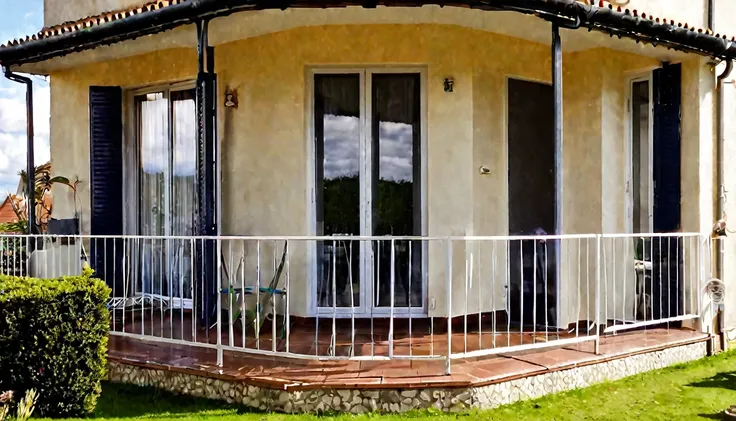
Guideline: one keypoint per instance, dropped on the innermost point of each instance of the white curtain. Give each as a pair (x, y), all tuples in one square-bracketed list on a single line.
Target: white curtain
[(183, 191), (168, 165), (154, 169)]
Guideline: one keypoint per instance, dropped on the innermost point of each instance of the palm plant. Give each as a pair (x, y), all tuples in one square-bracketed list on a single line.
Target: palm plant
[(43, 183)]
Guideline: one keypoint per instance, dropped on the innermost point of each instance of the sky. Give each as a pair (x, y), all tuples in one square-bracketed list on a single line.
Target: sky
[(21, 18)]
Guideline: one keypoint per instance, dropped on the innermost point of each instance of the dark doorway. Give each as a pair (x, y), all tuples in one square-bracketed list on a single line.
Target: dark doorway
[(532, 203)]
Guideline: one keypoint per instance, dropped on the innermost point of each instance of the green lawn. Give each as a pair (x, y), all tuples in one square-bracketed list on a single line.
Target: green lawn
[(695, 391)]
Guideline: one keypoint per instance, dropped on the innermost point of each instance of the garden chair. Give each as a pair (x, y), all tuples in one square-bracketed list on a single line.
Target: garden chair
[(266, 303), (643, 266)]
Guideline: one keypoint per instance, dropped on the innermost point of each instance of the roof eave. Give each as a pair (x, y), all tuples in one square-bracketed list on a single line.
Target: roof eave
[(616, 22)]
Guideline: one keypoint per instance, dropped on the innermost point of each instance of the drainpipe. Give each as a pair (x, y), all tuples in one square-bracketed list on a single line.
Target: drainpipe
[(720, 182), (557, 95), (30, 165), (556, 55)]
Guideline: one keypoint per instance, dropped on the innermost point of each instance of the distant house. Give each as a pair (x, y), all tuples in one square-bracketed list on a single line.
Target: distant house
[(7, 214)]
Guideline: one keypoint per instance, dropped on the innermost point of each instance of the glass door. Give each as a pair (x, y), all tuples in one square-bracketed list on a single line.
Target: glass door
[(153, 179), (183, 202), (166, 193), (339, 188), (396, 189), (368, 181)]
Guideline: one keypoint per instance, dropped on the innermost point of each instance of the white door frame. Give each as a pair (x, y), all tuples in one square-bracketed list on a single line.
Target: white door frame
[(629, 151), (365, 309)]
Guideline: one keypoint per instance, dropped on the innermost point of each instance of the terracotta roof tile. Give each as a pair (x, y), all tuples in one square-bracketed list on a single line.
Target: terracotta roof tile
[(656, 19), (90, 21), (103, 18)]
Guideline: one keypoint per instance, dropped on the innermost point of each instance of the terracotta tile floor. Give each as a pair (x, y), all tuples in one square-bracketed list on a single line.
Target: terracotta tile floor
[(293, 373)]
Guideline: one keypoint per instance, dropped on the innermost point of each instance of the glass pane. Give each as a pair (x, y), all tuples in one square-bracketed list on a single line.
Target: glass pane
[(153, 141), (396, 187), (640, 149), (183, 179), (337, 150)]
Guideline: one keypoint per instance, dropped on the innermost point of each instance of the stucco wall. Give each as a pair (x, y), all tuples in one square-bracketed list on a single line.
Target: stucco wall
[(699, 192), (59, 11), (723, 13), (264, 146)]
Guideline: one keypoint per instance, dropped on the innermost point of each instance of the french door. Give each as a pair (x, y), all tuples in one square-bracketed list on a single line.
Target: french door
[(166, 192), (368, 181)]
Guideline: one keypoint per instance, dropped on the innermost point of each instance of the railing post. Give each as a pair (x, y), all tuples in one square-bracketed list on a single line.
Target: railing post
[(702, 276), (448, 290), (287, 295), (219, 302), (393, 286), (597, 294)]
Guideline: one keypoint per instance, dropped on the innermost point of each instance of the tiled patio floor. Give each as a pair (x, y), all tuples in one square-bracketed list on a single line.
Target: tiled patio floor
[(294, 374)]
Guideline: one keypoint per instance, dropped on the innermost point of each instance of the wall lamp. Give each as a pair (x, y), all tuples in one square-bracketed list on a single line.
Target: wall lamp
[(449, 84)]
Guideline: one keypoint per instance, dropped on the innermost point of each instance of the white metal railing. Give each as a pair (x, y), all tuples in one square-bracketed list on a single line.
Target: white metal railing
[(381, 298)]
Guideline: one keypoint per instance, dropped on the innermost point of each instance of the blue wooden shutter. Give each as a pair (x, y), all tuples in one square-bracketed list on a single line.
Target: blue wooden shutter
[(667, 294), (106, 183), (667, 93)]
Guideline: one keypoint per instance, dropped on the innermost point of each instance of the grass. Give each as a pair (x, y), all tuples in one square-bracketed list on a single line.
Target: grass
[(696, 391)]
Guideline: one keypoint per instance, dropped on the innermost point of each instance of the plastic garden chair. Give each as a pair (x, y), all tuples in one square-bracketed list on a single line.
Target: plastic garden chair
[(266, 303)]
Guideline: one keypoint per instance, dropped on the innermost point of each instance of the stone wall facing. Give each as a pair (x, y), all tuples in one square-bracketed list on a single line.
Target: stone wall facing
[(402, 400)]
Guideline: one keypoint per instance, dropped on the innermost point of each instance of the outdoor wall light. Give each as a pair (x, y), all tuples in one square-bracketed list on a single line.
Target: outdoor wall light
[(231, 98), (449, 84)]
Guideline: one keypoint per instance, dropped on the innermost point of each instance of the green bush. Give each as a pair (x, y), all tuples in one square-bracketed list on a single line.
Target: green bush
[(53, 338)]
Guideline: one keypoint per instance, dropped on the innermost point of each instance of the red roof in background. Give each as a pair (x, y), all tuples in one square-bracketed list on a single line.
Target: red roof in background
[(7, 214)]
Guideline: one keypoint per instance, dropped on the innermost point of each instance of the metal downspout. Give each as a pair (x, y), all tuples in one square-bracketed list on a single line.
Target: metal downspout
[(556, 53), (720, 152), (557, 97), (30, 164)]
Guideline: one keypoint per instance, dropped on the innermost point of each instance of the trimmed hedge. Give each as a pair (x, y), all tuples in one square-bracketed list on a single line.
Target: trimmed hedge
[(53, 338)]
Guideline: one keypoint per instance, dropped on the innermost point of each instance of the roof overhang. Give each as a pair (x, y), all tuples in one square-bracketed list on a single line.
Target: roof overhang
[(158, 17)]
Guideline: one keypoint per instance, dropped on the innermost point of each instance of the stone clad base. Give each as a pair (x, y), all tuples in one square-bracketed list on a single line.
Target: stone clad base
[(401, 400)]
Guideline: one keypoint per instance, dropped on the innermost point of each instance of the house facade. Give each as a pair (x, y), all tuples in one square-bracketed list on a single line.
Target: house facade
[(448, 129)]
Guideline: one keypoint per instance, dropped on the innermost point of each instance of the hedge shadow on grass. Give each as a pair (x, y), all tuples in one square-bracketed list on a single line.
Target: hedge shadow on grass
[(725, 380), (129, 401)]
